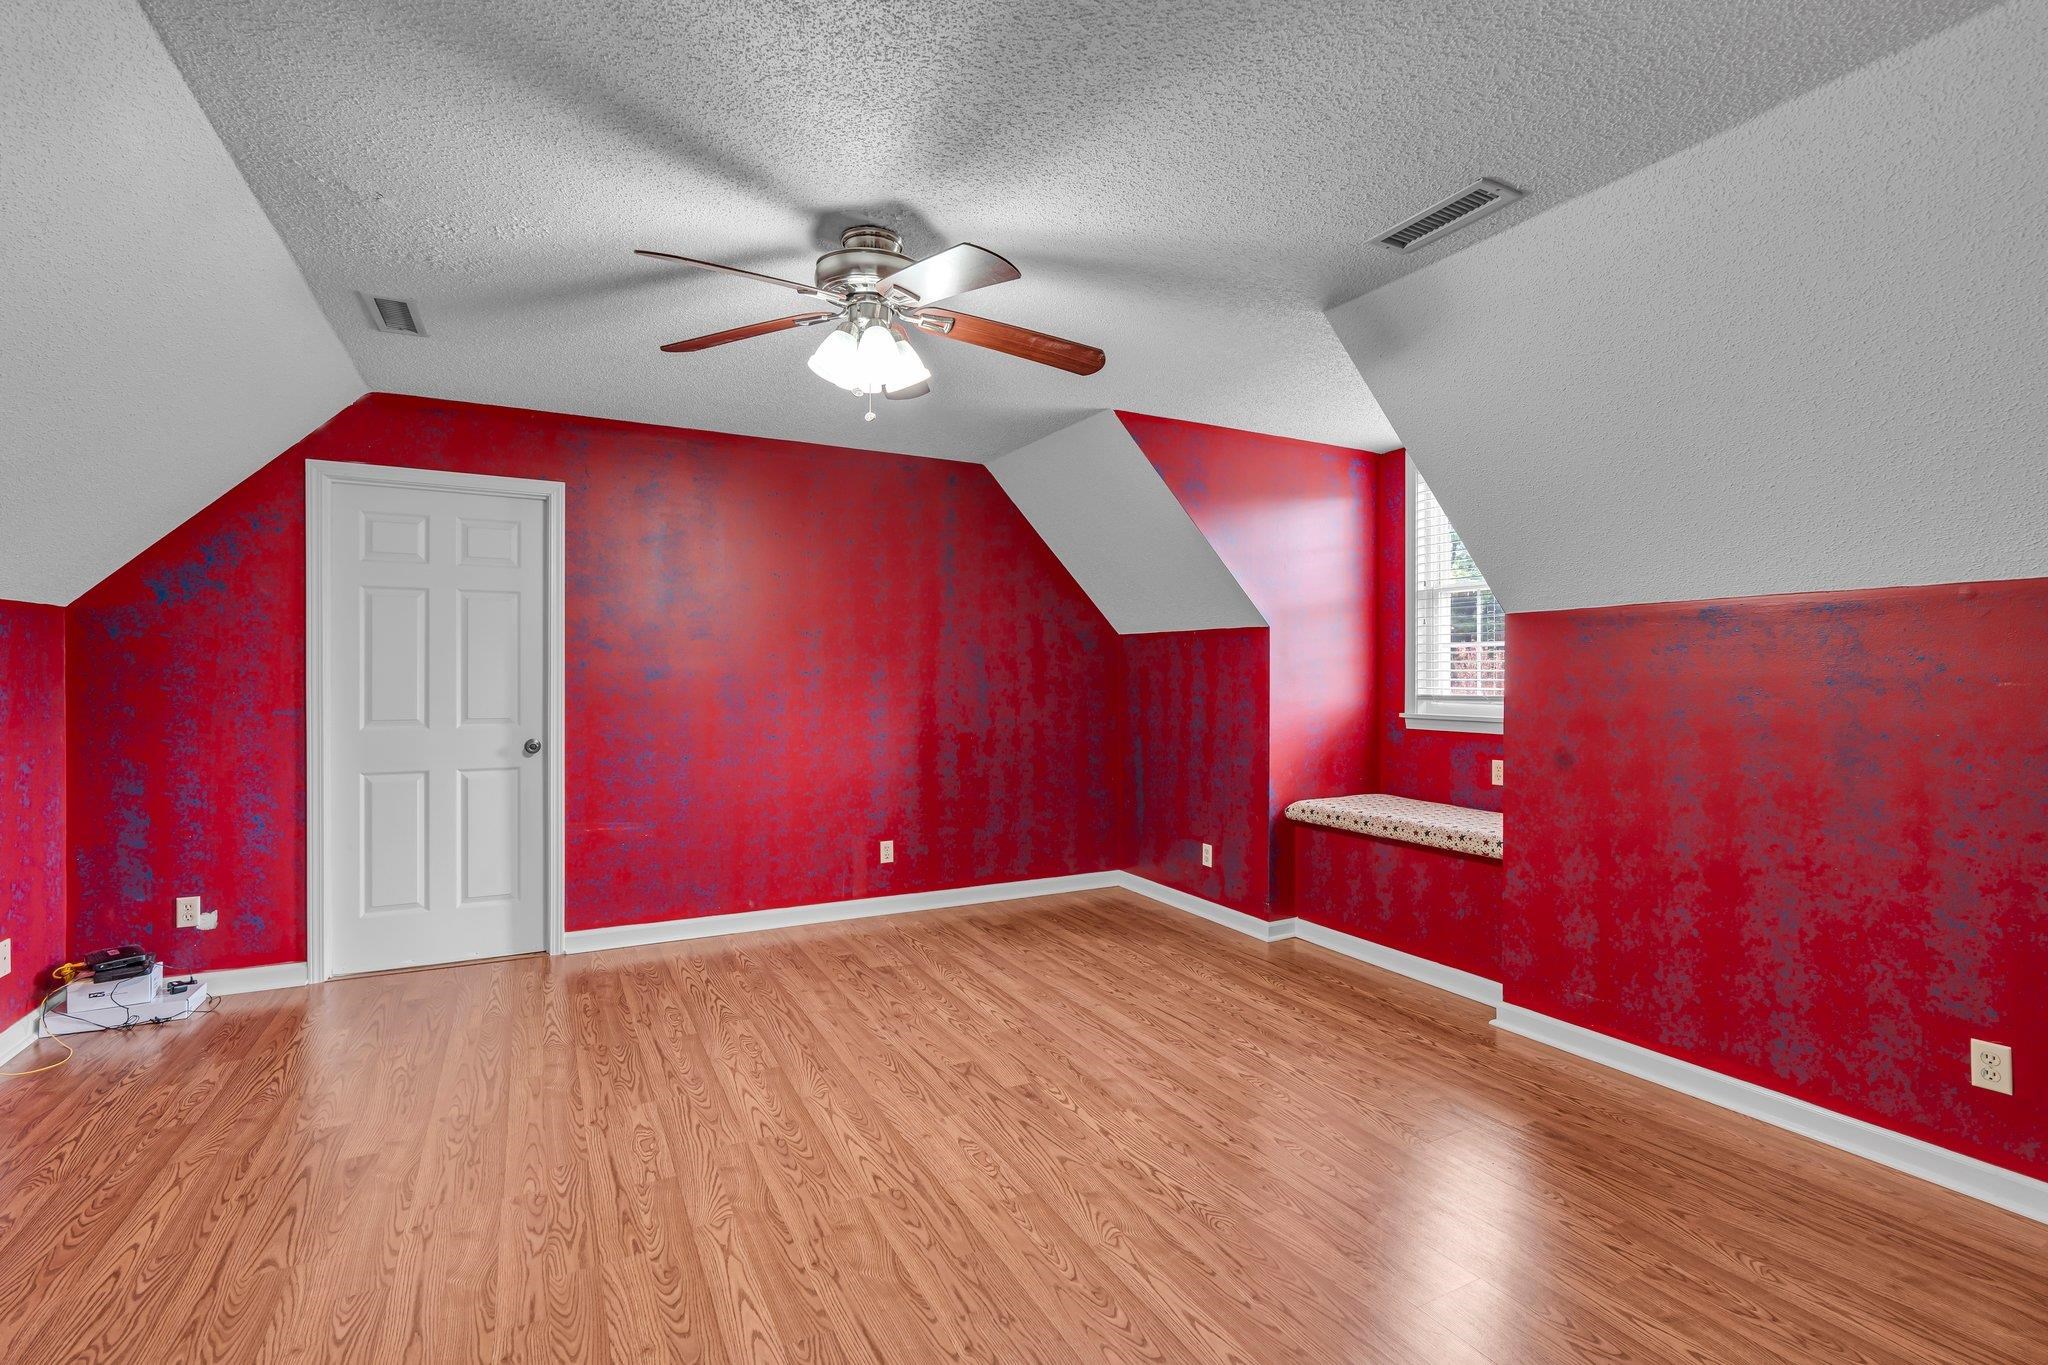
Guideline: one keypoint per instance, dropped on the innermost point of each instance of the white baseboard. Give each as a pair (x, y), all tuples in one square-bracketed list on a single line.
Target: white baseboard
[(1458, 982), (1266, 931), (1951, 1170), (273, 976), (826, 912), (18, 1035)]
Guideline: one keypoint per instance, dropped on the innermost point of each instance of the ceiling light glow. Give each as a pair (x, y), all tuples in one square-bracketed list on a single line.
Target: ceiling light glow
[(868, 361), (836, 361)]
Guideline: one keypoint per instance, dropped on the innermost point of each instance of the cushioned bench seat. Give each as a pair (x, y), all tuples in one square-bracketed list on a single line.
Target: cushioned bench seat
[(1461, 829)]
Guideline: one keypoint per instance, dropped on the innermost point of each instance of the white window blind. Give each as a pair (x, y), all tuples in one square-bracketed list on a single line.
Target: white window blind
[(1458, 633)]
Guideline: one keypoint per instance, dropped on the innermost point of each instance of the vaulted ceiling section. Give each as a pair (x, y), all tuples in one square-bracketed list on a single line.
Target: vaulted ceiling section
[(160, 342), (1804, 355), (1188, 185)]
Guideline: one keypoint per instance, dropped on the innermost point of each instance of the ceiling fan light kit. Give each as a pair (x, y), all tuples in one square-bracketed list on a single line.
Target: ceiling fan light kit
[(873, 294)]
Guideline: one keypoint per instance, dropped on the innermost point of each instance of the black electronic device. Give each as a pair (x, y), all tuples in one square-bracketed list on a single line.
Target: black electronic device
[(118, 964)]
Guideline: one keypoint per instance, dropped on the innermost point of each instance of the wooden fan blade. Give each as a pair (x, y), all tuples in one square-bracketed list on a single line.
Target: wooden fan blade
[(951, 272), (809, 289), (752, 329), (1021, 342), (918, 390)]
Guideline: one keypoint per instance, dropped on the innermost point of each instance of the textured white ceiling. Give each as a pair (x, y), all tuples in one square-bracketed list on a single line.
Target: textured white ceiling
[(1804, 355), (1101, 506), (1187, 185), (159, 343)]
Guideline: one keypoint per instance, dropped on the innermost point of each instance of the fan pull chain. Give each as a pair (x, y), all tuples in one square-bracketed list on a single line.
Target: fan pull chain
[(871, 407)]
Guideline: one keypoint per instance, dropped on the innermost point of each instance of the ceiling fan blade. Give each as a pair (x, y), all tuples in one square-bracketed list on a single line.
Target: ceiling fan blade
[(917, 390), (752, 329), (810, 290), (951, 272), (1021, 342)]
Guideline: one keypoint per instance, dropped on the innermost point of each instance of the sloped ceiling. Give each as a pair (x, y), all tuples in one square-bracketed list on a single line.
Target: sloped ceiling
[(1804, 355), (1187, 184), (1102, 507), (160, 343)]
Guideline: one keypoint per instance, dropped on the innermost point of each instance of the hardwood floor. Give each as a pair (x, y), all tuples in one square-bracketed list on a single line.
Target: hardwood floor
[(1078, 1128)]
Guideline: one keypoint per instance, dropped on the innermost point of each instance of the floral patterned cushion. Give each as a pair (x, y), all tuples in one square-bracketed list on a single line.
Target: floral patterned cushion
[(1460, 829)]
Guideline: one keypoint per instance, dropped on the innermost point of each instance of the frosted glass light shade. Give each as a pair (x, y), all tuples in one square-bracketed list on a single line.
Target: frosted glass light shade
[(906, 371), (837, 360), (875, 359)]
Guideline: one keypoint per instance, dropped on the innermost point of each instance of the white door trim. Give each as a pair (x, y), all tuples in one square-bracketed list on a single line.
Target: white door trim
[(321, 478)]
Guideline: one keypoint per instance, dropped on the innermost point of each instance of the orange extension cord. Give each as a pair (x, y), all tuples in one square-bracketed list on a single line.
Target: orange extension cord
[(62, 975)]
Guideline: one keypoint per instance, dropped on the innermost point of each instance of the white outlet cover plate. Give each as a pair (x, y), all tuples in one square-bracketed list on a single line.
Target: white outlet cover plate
[(6, 956), (1981, 1051)]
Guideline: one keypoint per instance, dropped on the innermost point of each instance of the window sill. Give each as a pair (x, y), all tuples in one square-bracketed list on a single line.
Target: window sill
[(1468, 725)]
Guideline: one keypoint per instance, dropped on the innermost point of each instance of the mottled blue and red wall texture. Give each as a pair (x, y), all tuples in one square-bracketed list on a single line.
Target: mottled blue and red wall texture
[(1437, 905), (1195, 744), (778, 654), (1800, 840), (1316, 536), (32, 826), (1293, 522)]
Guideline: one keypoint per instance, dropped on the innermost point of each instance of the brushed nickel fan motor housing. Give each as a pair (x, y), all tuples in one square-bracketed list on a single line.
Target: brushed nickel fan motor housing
[(865, 253)]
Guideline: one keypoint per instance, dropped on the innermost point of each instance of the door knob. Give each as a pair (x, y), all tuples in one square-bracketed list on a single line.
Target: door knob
[(532, 747)]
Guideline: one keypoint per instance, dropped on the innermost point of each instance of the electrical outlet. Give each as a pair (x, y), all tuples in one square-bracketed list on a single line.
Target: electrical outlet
[(6, 956), (1991, 1066), (1499, 772), (188, 912), (888, 850), (1208, 856)]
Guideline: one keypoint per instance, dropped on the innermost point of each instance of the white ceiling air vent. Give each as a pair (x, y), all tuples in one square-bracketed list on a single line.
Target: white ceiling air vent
[(395, 315), (1468, 205)]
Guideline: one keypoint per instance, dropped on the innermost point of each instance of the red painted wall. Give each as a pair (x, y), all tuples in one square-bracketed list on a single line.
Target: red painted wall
[(31, 800), (1195, 733), (1800, 840), (1438, 905), (1294, 522), (1429, 765), (778, 654)]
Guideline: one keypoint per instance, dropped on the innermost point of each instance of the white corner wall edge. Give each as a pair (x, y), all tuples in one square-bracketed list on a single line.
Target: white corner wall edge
[(18, 1035), (1108, 516), (1967, 1175), (1453, 979), (273, 976), (826, 912)]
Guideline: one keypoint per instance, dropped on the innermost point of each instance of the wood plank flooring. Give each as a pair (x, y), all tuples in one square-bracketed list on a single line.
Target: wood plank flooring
[(1083, 1128)]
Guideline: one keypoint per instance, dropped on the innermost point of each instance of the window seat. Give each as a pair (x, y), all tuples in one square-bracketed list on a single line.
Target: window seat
[(1460, 829)]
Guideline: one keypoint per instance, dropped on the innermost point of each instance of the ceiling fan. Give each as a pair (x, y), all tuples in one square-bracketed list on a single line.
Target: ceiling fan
[(874, 295)]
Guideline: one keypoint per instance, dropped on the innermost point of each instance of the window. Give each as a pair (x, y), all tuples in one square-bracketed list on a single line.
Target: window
[(1457, 633)]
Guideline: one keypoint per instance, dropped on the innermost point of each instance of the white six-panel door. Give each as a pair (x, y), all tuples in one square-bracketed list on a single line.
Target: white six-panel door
[(434, 702)]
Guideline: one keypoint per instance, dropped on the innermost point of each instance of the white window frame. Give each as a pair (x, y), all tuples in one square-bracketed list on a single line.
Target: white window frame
[(1482, 718)]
